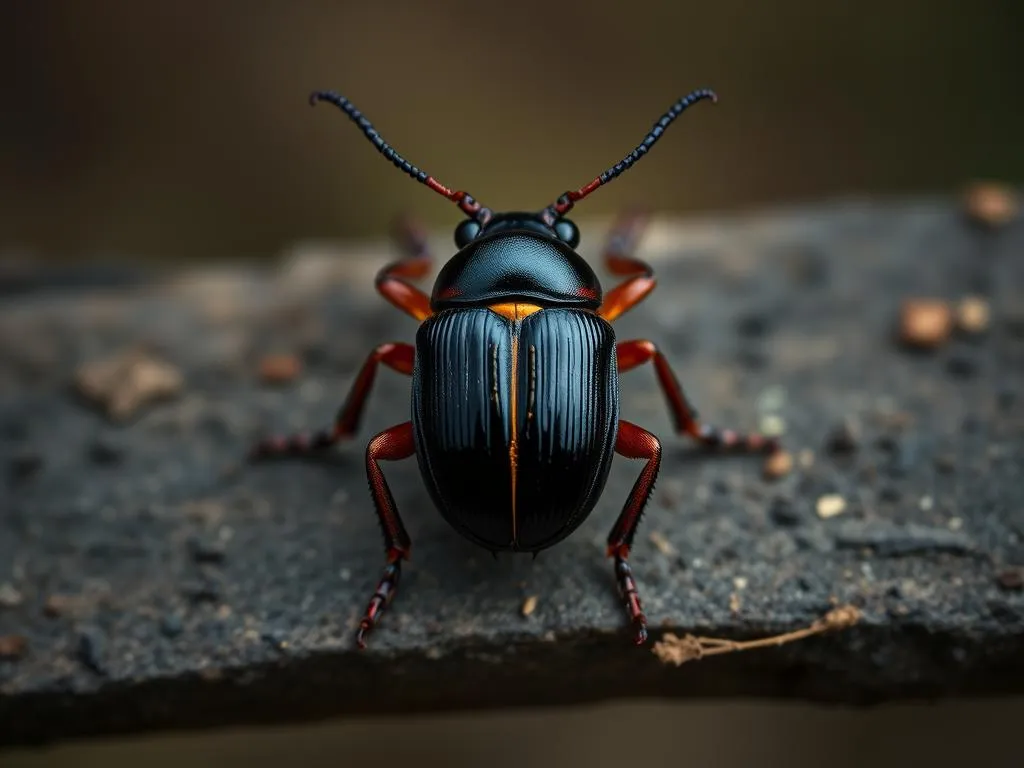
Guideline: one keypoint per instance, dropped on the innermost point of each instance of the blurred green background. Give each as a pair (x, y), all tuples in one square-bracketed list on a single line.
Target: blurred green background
[(181, 130)]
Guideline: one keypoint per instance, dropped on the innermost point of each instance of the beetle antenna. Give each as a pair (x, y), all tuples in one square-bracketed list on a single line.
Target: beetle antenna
[(467, 204), (568, 199)]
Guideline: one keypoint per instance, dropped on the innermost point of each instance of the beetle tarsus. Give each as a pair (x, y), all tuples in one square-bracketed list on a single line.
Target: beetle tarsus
[(639, 351), (382, 597), (631, 597)]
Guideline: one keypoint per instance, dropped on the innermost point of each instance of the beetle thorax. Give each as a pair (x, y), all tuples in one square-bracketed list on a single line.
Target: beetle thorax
[(516, 263)]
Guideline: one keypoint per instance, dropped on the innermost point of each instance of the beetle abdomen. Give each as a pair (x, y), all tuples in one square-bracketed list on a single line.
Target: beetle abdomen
[(515, 410)]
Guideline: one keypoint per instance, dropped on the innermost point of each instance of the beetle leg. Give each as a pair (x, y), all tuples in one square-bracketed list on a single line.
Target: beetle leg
[(634, 353), (416, 264), (619, 259), (633, 442), (392, 444), (398, 356)]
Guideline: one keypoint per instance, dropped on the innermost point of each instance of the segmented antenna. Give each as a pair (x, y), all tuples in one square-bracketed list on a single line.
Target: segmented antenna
[(568, 199), (467, 204)]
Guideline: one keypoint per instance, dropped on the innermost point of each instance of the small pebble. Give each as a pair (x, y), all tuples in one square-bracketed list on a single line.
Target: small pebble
[(90, 650), (279, 369), (778, 464), (171, 626), (955, 523), (843, 439), (990, 203), (925, 323), (9, 596), (124, 382), (206, 550), (13, 646), (783, 512), (1011, 579), (890, 493), (972, 315), (926, 503), (529, 605), (662, 544), (772, 425), (830, 505)]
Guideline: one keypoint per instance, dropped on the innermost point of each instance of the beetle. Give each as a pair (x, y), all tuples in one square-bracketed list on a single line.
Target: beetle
[(514, 412)]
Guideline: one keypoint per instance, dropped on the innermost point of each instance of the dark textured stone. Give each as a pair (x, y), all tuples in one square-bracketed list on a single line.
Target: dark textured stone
[(266, 633)]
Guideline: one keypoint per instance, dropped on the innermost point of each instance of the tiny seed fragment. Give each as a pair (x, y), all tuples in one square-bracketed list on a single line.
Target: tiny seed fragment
[(830, 505), (972, 315), (662, 544), (777, 464), (990, 204), (529, 605)]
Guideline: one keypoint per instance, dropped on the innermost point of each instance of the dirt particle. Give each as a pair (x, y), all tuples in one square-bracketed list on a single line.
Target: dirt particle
[(58, 605), (945, 463), (843, 439), (90, 650), (205, 549), (955, 523), (805, 458), (925, 323), (777, 464), (13, 647), (124, 382), (962, 366), (171, 625), (1011, 579), (830, 505), (279, 369), (972, 315), (662, 544), (990, 204), (783, 513), (529, 605)]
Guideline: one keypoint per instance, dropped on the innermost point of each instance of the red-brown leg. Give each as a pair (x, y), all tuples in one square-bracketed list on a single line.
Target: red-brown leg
[(397, 356), (633, 353), (392, 444), (619, 259), (633, 442), (414, 265)]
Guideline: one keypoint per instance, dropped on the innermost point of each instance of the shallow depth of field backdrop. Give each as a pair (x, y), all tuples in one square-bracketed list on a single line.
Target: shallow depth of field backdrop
[(180, 131)]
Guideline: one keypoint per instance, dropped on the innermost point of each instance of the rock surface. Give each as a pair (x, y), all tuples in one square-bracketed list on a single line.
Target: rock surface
[(149, 579)]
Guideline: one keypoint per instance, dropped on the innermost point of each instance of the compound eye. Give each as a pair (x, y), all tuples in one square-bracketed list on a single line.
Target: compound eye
[(567, 232), (466, 232)]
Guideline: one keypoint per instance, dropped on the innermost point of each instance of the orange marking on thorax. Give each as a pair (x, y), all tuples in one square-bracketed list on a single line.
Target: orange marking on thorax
[(514, 311)]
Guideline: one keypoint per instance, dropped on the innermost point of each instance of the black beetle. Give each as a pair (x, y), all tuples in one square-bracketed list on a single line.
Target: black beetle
[(515, 390)]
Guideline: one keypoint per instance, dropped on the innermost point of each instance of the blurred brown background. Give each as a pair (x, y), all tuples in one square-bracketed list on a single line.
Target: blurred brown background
[(181, 130)]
